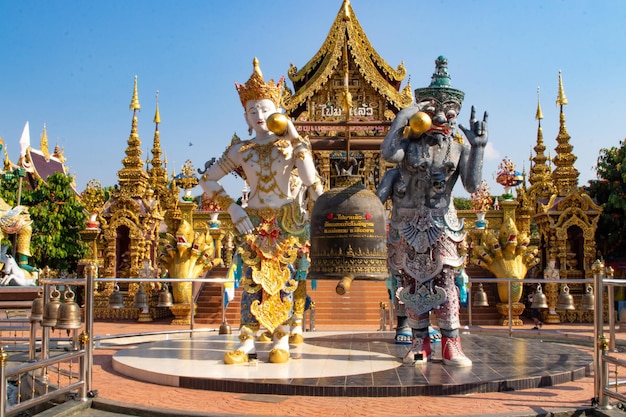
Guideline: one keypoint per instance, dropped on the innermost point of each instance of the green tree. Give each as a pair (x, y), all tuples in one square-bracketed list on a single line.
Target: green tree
[(609, 191), (461, 203), (58, 216)]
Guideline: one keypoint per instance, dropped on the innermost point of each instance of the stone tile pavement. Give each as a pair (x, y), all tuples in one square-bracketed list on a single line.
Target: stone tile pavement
[(113, 388)]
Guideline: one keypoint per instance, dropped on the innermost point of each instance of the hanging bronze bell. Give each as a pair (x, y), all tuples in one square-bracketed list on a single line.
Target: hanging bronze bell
[(141, 298), (116, 299), (69, 315), (348, 234), (566, 301), (539, 299), (588, 300), (51, 310), (165, 297), (480, 297), (36, 308)]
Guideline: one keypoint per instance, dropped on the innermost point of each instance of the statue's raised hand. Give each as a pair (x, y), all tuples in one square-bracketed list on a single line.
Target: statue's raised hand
[(477, 133)]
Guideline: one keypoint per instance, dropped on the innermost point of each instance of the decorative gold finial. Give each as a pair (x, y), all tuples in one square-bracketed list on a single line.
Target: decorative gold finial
[(561, 100), (346, 10), (157, 115), (43, 143), (134, 104), (58, 152), (539, 114), (256, 88)]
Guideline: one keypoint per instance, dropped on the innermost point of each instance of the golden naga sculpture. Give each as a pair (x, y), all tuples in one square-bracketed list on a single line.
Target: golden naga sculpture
[(187, 254), (506, 254)]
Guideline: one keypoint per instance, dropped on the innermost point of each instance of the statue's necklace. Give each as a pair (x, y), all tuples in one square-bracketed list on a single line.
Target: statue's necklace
[(266, 175)]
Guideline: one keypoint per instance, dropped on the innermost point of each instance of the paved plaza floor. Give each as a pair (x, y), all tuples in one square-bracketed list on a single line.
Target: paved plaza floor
[(363, 364), (531, 373)]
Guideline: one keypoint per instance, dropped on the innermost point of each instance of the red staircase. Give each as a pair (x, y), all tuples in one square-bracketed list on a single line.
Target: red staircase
[(359, 307), (209, 302)]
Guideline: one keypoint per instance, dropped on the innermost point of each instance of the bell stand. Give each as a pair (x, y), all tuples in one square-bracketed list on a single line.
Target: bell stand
[(89, 283), (510, 282)]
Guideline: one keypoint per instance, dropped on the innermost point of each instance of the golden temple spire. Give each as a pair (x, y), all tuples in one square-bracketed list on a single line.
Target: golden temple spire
[(133, 179), (158, 174), (565, 175), (43, 143), (539, 178), (408, 86)]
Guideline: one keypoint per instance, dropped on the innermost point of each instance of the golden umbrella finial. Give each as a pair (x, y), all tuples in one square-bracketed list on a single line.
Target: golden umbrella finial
[(134, 103), (257, 68), (346, 10), (157, 115), (561, 100), (539, 114)]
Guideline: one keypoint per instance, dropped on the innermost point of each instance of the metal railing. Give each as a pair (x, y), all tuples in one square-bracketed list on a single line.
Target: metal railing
[(603, 345), (510, 281), (604, 348), (47, 380), (66, 379)]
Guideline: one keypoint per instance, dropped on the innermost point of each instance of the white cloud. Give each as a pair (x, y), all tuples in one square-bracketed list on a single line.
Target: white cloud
[(491, 152)]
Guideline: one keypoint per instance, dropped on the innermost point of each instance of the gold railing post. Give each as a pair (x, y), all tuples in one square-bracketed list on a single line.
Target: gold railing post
[(32, 343), (84, 364), (601, 341), (92, 274), (3, 381)]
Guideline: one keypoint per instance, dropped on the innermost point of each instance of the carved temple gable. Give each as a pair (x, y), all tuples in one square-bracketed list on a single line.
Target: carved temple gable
[(347, 61)]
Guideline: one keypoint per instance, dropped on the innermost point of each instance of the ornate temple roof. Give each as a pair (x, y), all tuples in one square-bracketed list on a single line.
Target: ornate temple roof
[(40, 164), (346, 31)]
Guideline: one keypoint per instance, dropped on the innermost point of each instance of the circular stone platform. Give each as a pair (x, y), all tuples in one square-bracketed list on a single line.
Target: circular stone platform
[(355, 365)]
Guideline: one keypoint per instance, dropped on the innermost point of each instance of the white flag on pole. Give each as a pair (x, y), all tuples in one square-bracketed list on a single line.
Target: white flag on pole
[(25, 140)]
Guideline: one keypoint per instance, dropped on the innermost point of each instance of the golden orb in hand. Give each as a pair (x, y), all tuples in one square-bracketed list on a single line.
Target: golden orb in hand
[(277, 123), (420, 122)]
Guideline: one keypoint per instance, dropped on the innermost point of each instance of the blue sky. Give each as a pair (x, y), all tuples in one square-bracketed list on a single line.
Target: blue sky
[(71, 65)]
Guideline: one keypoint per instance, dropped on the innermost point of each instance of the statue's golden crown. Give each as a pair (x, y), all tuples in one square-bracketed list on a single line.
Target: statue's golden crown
[(256, 88)]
